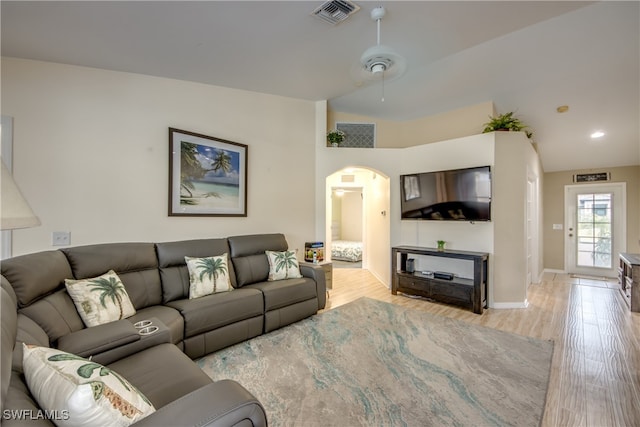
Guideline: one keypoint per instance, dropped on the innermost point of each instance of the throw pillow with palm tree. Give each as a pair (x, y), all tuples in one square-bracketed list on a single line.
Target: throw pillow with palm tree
[(283, 265), (208, 275), (100, 299), (91, 393)]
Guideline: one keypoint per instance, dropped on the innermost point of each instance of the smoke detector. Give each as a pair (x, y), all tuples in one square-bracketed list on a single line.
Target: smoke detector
[(335, 11)]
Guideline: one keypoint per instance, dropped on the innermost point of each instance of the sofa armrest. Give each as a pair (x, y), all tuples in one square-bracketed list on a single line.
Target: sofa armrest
[(221, 404), (316, 273), (160, 336), (97, 339)]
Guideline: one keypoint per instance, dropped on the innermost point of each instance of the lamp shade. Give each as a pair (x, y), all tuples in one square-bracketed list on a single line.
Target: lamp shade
[(16, 212)]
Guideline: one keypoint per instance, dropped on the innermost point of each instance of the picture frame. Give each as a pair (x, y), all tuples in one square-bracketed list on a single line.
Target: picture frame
[(207, 175)]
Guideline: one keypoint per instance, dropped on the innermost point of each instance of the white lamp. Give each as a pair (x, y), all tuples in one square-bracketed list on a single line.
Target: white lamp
[(15, 211)]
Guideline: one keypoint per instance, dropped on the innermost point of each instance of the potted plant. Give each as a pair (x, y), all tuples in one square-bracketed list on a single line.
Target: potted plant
[(441, 245), (335, 137), (506, 122)]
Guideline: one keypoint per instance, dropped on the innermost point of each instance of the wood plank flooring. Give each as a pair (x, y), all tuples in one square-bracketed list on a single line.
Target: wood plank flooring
[(595, 372)]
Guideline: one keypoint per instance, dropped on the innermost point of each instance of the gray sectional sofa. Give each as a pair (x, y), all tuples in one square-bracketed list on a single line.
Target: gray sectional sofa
[(37, 309)]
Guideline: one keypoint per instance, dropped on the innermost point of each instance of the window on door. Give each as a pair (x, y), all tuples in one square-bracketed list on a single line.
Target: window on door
[(594, 231)]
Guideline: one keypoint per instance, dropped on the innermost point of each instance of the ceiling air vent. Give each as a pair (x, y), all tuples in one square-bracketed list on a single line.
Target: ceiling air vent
[(335, 11)]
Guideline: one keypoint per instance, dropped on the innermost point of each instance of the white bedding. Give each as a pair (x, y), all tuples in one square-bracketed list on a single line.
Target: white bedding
[(345, 250)]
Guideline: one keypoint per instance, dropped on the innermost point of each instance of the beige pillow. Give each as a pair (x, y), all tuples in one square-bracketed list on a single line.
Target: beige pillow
[(79, 392), (208, 275), (283, 265), (100, 299)]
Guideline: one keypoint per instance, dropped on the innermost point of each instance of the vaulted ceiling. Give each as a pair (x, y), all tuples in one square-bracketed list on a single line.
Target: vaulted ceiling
[(526, 56)]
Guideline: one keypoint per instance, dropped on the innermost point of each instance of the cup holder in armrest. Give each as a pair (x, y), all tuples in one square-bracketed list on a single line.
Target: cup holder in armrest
[(148, 330), (152, 326), (146, 327), (142, 324)]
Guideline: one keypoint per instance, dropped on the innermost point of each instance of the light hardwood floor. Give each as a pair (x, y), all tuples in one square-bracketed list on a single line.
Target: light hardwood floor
[(595, 371)]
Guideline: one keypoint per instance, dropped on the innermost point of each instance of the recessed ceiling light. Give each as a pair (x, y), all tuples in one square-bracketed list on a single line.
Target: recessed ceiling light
[(597, 134), (562, 109)]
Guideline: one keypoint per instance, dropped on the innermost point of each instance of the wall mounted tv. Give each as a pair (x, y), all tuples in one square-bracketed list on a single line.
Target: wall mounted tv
[(448, 195)]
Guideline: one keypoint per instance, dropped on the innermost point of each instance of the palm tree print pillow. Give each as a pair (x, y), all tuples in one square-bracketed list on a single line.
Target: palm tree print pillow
[(81, 392), (283, 265), (208, 275), (100, 299)]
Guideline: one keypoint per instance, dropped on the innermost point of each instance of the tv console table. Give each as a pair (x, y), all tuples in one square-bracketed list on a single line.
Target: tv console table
[(470, 293), (629, 280)]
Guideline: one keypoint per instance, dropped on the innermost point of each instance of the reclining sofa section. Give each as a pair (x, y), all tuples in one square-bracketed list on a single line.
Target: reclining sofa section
[(156, 278)]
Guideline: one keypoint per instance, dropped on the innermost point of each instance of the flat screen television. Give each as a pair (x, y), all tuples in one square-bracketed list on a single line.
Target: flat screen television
[(448, 195)]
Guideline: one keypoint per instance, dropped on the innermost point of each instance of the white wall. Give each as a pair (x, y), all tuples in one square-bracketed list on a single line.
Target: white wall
[(377, 220), (476, 150), (503, 238), (351, 216), (516, 161), (91, 154)]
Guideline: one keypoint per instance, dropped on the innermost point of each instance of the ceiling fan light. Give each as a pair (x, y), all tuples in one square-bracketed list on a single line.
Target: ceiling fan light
[(377, 56), (378, 67), (378, 62)]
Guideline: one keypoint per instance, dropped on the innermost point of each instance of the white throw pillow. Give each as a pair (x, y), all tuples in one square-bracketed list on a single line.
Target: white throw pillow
[(79, 392), (208, 275), (100, 299), (283, 265)]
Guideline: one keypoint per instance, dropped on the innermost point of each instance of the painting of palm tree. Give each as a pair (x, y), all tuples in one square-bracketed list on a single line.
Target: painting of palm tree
[(222, 162), (110, 288), (208, 176), (211, 268), (190, 167)]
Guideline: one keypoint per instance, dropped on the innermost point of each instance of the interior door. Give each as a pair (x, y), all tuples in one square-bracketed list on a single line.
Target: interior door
[(595, 233)]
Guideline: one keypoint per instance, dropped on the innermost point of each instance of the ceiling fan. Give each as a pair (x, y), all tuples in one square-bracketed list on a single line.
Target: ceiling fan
[(379, 62)]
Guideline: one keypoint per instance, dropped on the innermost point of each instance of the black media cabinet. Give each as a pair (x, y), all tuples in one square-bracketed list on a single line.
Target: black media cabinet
[(470, 293)]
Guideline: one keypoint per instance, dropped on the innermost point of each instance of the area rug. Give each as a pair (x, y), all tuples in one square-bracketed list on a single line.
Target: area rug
[(371, 363)]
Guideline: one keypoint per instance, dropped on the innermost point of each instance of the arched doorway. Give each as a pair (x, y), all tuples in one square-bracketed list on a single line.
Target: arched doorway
[(357, 216)]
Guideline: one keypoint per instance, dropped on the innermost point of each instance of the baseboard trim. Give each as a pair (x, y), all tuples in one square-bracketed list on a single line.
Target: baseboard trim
[(553, 270), (509, 305), (388, 285)]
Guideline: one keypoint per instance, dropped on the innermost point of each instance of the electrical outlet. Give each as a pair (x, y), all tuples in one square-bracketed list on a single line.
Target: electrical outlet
[(61, 238)]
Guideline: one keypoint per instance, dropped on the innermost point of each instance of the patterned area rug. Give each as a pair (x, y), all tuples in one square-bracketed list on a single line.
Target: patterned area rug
[(377, 364)]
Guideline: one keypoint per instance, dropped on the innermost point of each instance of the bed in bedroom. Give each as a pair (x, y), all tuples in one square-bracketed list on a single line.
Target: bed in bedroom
[(346, 250)]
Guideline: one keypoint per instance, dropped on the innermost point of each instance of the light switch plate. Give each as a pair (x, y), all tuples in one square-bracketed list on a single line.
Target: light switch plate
[(557, 226), (61, 238)]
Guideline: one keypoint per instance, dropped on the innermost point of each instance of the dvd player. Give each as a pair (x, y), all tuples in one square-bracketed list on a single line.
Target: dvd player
[(443, 275)]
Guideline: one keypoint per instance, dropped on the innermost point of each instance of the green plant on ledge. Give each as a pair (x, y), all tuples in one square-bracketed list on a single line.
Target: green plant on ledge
[(506, 122), (441, 244), (335, 137)]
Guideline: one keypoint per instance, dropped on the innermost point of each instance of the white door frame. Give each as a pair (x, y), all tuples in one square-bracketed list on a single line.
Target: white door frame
[(532, 231), (619, 189)]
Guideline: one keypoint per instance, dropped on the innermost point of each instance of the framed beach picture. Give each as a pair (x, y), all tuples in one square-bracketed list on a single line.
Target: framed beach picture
[(207, 175)]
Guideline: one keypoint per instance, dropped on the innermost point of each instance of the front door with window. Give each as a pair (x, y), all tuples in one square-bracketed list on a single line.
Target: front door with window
[(595, 232)]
